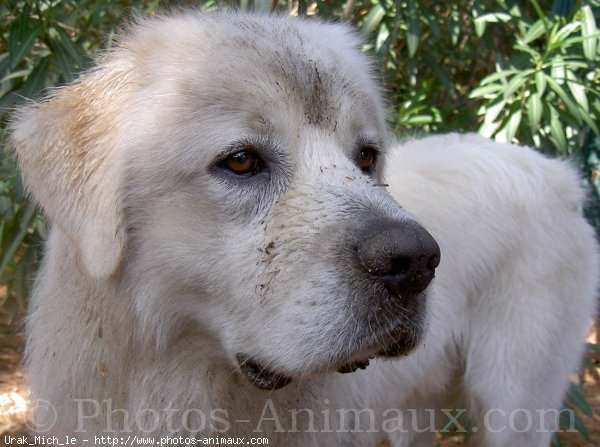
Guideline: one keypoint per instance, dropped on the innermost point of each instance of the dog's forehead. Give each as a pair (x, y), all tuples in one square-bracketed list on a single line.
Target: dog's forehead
[(262, 65), (318, 77), (210, 83)]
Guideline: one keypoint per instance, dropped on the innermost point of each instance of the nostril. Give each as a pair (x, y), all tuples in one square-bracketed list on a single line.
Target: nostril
[(400, 265)]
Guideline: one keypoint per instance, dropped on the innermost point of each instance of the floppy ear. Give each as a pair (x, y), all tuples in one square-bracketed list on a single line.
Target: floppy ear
[(67, 150)]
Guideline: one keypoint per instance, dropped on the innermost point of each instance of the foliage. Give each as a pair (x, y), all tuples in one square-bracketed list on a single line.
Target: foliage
[(552, 79), (43, 43), (546, 93), (21, 233)]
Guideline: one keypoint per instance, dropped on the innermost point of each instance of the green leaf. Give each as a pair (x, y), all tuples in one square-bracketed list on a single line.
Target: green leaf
[(479, 25), (535, 31), (585, 116), (20, 44), (488, 129), (516, 82), (588, 31), (67, 55), (413, 36), (494, 17), (9, 254), (534, 111), (557, 69), (540, 82), (71, 50), (552, 33), (490, 125), (494, 110), (577, 110), (432, 24), (557, 131), (373, 19), (36, 81), (577, 90), (420, 120), (512, 125), (499, 75), (383, 35), (485, 90), (566, 62), (4, 63), (15, 75), (564, 32), (413, 32), (564, 97), (574, 40), (521, 46)]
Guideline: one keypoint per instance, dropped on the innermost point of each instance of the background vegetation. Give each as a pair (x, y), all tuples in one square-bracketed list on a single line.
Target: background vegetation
[(525, 72)]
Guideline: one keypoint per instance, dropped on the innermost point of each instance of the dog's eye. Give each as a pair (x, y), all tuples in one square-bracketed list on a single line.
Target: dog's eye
[(243, 162), (367, 158)]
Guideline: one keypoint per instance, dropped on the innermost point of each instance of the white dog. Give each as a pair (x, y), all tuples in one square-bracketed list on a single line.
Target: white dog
[(223, 246)]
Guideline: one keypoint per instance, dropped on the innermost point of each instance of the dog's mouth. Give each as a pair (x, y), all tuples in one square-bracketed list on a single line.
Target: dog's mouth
[(265, 378), (402, 346), (259, 375)]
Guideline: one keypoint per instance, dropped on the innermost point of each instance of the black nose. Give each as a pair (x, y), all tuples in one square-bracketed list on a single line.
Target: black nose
[(402, 254)]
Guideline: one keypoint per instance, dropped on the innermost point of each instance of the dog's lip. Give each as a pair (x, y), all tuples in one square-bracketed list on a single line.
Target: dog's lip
[(352, 366), (269, 380), (260, 376), (398, 342), (391, 343), (402, 346)]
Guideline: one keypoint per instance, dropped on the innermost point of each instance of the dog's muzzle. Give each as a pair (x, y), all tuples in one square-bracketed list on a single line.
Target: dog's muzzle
[(399, 259)]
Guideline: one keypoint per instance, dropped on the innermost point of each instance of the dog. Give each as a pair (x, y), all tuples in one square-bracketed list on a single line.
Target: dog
[(240, 252)]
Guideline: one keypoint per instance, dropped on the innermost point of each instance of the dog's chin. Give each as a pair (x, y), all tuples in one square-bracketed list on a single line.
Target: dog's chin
[(401, 346), (265, 378)]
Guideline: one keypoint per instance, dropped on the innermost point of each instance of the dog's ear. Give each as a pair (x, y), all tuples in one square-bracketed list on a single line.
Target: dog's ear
[(68, 152)]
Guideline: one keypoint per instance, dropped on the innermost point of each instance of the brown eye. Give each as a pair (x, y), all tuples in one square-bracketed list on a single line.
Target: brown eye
[(243, 163), (366, 158)]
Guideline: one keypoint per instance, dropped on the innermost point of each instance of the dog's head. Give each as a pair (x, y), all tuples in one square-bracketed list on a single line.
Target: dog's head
[(225, 170)]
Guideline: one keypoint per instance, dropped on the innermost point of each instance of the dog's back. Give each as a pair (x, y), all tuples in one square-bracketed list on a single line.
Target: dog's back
[(517, 286)]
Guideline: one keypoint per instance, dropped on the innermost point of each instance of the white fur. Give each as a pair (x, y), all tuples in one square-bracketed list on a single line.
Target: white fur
[(159, 268), (518, 280)]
